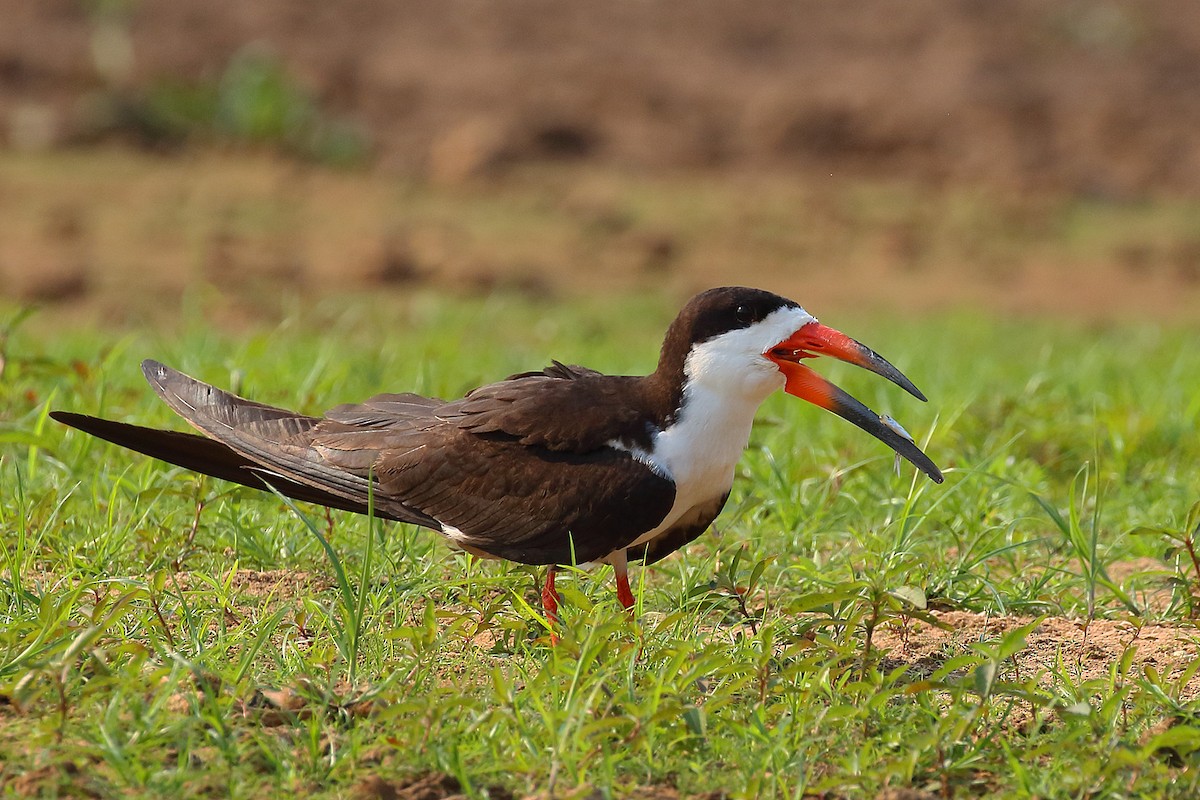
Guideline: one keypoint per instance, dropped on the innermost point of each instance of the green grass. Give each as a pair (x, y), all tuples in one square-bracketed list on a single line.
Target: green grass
[(162, 633)]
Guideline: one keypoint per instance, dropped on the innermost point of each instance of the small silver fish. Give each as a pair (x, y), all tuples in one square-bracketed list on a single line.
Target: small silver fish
[(896, 427)]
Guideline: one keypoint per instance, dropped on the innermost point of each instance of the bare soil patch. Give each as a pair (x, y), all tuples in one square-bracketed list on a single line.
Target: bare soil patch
[(1083, 97), (278, 584), (1087, 651), (122, 237), (579, 148)]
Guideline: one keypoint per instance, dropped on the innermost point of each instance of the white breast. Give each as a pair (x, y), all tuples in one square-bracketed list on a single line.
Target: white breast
[(700, 453), (727, 378)]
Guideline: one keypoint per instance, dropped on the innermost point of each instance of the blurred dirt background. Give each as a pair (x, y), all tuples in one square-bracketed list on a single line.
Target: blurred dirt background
[(1018, 155)]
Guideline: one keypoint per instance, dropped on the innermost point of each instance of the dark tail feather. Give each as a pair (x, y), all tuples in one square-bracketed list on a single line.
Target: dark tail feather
[(275, 439), (205, 455)]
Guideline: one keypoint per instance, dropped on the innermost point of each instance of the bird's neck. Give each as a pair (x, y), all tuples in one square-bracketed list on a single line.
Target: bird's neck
[(711, 413)]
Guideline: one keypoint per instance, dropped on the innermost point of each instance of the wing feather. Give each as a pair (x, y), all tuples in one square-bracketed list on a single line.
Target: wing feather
[(508, 466), (202, 454), (270, 437)]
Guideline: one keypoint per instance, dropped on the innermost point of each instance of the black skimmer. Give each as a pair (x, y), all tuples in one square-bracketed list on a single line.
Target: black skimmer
[(557, 467)]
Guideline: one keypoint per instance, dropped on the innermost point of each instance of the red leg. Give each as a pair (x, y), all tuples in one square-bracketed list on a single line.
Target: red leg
[(550, 602), (621, 568), (624, 593)]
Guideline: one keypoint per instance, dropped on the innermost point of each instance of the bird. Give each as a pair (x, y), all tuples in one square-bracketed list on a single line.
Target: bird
[(556, 467)]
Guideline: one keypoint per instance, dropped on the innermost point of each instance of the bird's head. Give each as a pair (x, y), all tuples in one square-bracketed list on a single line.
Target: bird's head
[(750, 342)]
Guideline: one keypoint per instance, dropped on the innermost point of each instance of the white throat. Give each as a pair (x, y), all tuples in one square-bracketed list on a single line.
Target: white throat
[(726, 380)]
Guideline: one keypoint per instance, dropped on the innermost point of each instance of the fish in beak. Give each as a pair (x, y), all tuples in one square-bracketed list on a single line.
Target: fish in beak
[(815, 339)]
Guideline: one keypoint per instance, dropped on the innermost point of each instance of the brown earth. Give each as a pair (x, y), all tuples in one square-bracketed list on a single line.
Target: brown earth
[(438, 786), (122, 236), (1097, 98), (1019, 158), (1085, 649)]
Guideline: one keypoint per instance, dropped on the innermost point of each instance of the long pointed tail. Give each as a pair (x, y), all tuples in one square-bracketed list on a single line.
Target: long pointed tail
[(204, 455)]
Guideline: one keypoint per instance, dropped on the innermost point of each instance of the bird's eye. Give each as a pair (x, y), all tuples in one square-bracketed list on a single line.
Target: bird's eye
[(744, 314)]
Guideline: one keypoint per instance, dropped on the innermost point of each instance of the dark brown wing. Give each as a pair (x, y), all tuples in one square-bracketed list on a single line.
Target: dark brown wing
[(527, 504), (578, 415), (465, 467), (273, 438), (559, 370)]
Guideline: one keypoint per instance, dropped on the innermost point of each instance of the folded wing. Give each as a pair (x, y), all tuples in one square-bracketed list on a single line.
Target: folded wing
[(473, 469)]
